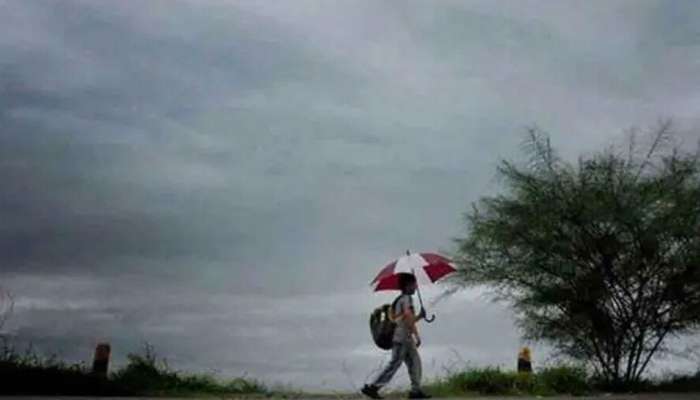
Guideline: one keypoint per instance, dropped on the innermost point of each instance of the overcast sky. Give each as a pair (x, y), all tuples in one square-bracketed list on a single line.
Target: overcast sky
[(224, 178)]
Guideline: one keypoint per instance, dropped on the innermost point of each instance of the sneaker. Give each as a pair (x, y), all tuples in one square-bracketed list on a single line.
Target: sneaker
[(418, 394), (371, 391)]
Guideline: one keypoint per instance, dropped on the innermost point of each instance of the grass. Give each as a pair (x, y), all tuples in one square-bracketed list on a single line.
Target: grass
[(144, 375), (678, 383), (494, 381), (551, 381), (28, 373)]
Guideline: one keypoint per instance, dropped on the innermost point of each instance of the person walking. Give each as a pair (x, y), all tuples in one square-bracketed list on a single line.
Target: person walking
[(406, 341)]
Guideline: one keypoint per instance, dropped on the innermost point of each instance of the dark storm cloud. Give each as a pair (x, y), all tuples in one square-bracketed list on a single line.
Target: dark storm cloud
[(223, 178), (99, 163)]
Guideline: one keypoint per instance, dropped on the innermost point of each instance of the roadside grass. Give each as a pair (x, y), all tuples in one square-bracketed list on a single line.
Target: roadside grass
[(144, 374), (28, 373), (565, 379), (679, 383)]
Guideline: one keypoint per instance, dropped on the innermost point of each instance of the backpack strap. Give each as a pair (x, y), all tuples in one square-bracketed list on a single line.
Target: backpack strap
[(393, 304)]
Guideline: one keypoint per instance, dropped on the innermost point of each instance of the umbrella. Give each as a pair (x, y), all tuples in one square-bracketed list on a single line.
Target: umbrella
[(426, 267)]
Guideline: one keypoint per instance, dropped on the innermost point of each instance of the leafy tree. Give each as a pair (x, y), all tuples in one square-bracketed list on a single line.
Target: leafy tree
[(600, 258)]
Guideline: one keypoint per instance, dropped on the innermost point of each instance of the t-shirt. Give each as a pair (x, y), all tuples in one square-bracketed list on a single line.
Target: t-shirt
[(402, 333)]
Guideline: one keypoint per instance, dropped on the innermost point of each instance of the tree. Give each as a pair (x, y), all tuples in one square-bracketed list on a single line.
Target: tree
[(601, 258)]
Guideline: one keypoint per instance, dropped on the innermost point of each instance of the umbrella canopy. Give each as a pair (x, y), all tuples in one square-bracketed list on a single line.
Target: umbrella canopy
[(427, 267)]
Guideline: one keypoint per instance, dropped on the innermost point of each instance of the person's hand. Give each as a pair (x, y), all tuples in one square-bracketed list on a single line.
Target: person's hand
[(421, 314), (418, 341)]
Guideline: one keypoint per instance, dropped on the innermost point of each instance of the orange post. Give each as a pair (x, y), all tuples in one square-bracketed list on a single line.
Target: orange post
[(524, 360)]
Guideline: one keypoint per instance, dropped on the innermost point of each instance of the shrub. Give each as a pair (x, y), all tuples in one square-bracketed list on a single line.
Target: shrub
[(565, 379), (33, 374), (493, 381)]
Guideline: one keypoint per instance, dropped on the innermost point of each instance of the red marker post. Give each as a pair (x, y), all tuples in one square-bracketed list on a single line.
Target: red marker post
[(100, 363)]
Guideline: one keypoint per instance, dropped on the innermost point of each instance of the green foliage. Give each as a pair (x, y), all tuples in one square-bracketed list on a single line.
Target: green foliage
[(245, 385), (144, 375), (679, 383), (565, 379), (494, 381), (29, 373), (30, 359), (488, 381), (601, 259)]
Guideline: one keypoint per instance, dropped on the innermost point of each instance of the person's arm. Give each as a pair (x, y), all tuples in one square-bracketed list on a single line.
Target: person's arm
[(420, 316), (412, 318), (409, 315)]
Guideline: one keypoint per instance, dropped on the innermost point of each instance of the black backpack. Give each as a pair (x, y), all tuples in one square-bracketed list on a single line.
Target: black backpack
[(382, 325)]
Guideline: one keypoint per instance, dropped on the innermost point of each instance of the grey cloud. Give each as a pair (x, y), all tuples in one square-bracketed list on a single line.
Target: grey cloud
[(235, 333), (193, 173)]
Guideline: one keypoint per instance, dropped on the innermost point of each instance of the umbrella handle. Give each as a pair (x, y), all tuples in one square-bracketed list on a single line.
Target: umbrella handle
[(420, 299)]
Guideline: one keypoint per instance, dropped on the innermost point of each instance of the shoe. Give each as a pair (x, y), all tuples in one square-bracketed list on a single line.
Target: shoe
[(418, 394), (371, 391)]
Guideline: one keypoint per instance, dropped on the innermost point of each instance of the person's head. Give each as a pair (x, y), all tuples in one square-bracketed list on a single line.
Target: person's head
[(407, 283)]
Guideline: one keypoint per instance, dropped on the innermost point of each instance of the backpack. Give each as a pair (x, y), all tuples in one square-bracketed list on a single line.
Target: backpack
[(382, 325)]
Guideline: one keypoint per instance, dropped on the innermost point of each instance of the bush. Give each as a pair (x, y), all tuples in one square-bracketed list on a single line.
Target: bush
[(32, 374), (527, 383), (494, 381), (144, 374), (679, 383), (487, 380), (565, 379), (490, 381), (244, 385)]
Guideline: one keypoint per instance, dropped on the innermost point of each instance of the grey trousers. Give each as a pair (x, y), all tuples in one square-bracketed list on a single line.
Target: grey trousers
[(402, 353)]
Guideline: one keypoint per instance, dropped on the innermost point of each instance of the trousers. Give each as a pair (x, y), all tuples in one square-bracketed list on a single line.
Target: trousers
[(404, 352)]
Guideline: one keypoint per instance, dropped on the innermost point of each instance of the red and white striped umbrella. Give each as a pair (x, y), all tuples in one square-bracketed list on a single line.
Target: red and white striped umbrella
[(427, 267)]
